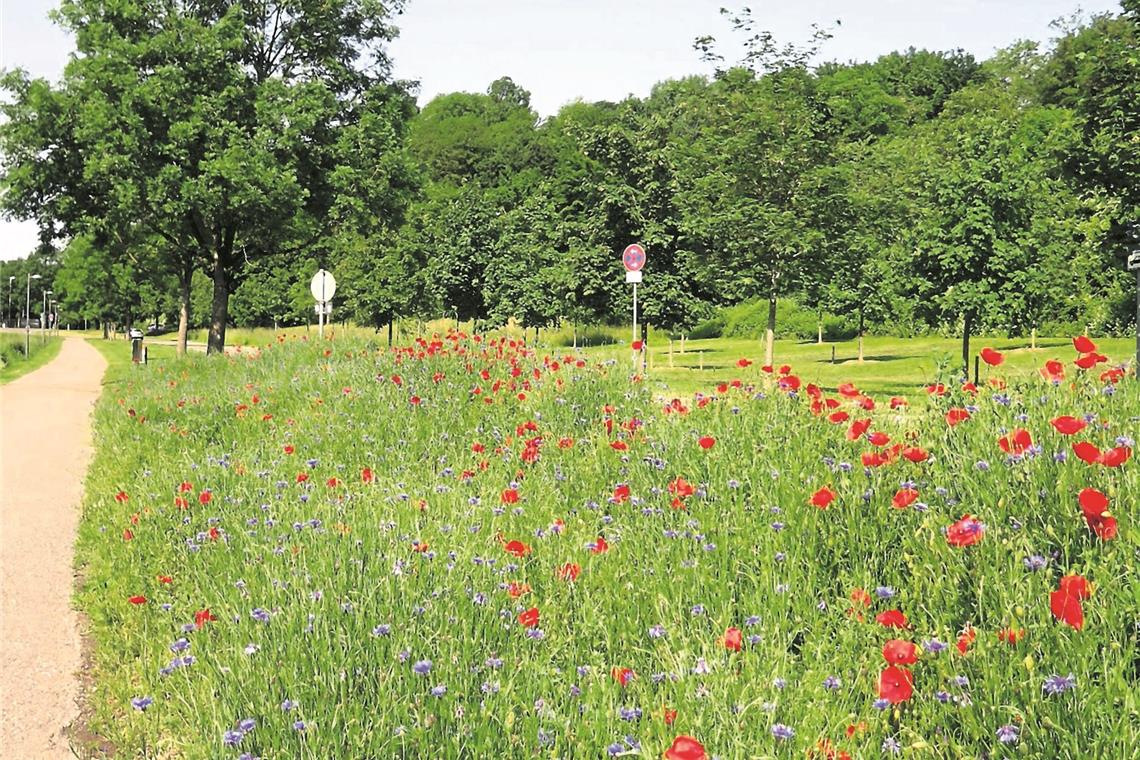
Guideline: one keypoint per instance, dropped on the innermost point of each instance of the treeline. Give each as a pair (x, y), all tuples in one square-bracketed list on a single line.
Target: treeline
[(219, 163)]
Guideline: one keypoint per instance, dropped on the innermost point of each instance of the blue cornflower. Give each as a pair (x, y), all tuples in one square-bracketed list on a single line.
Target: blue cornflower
[(141, 703), (422, 667), (780, 731)]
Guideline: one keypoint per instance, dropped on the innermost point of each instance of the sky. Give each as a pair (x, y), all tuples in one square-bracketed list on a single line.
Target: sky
[(563, 50)]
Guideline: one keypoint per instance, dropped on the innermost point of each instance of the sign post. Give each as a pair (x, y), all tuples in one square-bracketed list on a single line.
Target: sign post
[(633, 257), (323, 287), (1134, 266)]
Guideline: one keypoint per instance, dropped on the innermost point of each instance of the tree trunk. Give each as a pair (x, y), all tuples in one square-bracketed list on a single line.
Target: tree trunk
[(860, 335), (106, 333), (219, 310), (967, 324), (770, 333), (390, 321), (183, 310)]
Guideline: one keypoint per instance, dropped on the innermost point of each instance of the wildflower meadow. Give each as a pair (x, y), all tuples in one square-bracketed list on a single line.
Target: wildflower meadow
[(472, 547)]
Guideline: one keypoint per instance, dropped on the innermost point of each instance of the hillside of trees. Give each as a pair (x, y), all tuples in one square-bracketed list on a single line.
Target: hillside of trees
[(201, 160)]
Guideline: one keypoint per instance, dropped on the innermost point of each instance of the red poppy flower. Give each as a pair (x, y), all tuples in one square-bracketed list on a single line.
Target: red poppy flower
[(966, 532), (622, 675), (302, 477), (1083, 345), (1067, 608), (742, 363), (185, 487), (896, 685), (1116, 456), (669, 715), (1075, 585), (332, 482), (569, 572), (366, 475), (1011, 635), (732, 639), (897, 401), (288, 448), (128, 535), (955, 416), (904, 497), (936, 389), (857, 429), (600, 546), (165, 579), (621, 493), (515, 589), (685, 748), (201, 617), (891, 619), (879, 439), (516, 548), (509, 496), (619, 446), (965, 639), (420, 547), (529, 618), (822, 497), (1053, 371), (122, 497), (1086, 452), (681, 488), (1087, 361), (1016, 442), (992, 357), (137, 599), (899, 652), (915, 454), (838, 418), (1068, 425), (707, 442)]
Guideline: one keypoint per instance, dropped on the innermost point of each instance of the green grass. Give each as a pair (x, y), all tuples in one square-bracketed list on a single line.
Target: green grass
[(14, 364), (242, 480), (118, 356), (892, 366)]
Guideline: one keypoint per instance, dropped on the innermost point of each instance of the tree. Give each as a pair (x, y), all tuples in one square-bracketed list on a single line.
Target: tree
[(216, 126)]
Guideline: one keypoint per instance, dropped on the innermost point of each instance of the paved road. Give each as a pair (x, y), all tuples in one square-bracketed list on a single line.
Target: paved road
[(45, 445)]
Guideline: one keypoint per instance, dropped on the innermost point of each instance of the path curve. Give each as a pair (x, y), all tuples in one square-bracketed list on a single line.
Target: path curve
[(45, 446)]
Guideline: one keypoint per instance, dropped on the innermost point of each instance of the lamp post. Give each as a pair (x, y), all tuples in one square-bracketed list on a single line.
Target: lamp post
[(54, 312), (11, 284), (28, 315), (43, 319)]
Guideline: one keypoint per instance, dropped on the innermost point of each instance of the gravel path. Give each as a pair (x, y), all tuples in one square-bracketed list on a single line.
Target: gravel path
[(45, 446)]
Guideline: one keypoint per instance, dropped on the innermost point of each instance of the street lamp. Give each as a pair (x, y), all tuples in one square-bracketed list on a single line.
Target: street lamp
[(43, 319), (28, 315), (8, 314)]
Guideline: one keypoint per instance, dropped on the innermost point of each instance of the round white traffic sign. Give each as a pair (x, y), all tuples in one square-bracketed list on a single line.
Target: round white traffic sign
[(323, 286), (633, 257)]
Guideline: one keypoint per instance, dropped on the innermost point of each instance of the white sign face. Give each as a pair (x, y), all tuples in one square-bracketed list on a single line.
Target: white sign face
[(1134, 262), (323, 286), (634, 276)]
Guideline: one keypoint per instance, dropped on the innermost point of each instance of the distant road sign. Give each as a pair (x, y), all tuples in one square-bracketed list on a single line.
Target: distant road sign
[(633, 257), (1134, 261), (323, 286)]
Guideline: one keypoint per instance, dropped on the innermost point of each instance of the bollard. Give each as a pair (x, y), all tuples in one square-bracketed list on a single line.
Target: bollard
[(136, 337), (833, 354)]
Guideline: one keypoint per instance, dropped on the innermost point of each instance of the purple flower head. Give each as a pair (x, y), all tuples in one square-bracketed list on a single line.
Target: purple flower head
[(780, 731), (1056, 684), (141, 703), (422, 667), (1008, 734)]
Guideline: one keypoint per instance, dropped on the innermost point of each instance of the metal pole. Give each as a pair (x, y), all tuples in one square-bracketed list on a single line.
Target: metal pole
[(28, 318), (43, 321), (634, 322), (1136, 367)]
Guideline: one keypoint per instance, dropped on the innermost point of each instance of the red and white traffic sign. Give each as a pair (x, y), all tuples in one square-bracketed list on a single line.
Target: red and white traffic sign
[(633, 257)]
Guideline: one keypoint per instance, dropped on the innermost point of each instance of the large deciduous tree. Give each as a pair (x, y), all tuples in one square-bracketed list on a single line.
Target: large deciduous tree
[(231, 130)]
